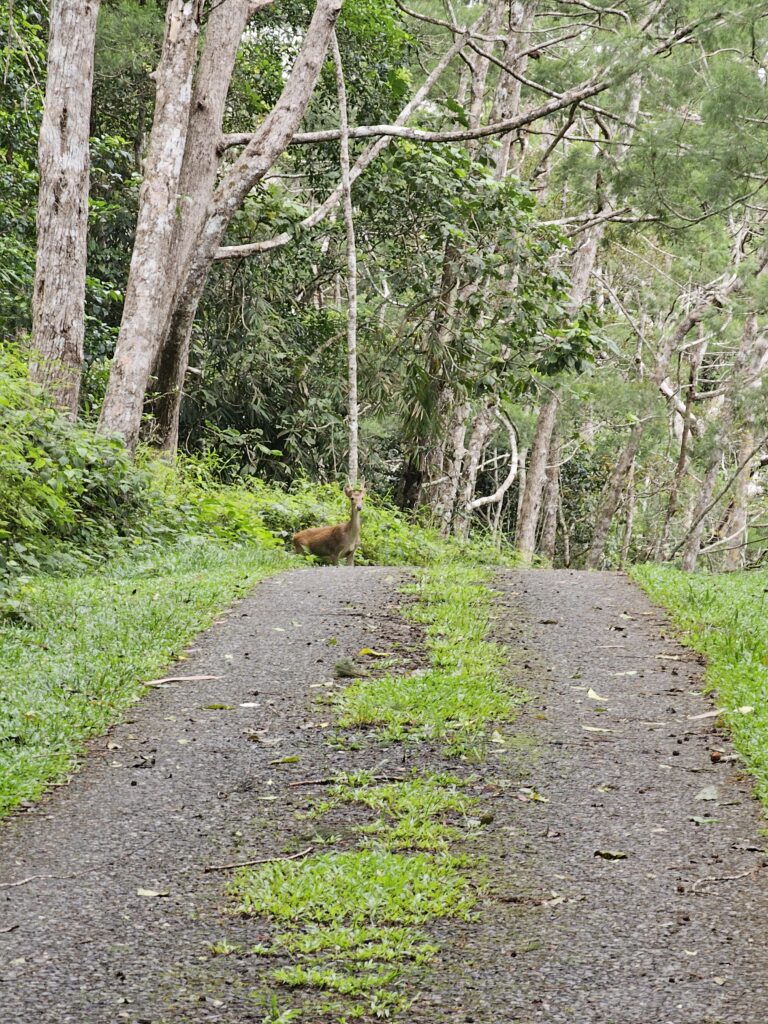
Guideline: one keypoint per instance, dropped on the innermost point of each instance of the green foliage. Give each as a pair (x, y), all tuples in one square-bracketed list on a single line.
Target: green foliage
[(62, 487), (724, 617)]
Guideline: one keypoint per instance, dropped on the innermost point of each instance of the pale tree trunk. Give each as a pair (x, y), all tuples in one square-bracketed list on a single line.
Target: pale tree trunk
[(736, 526), (349, 225), (481, 431), (548, 537), (149, 279), (696, 357), (535, 478), (693, 542), (564, 532), (58, 301), (123, 409), (480, 67), (609, 501), (446, 491), (506, 101), (630, 520), (521, 482), (748, 358), (223, 31)]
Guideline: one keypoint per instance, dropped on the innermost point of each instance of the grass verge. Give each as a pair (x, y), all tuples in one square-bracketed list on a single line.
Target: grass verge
[(89, 641), (349, 928), (724, 618)]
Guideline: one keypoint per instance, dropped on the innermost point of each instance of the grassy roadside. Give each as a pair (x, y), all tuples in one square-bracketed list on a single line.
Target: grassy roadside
[(69, 671), (349, 924), (724, 618)]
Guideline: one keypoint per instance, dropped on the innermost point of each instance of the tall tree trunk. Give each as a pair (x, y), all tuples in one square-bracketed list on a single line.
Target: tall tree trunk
[(609, 501), (58, 301), (224, 29), (749, 358), (481, 431), (349, 225), (736, 526), (630, 520), (506, 101), (693, 542), (123, 407), (535, 479), (548, 537), (149, 279), (696, 357)]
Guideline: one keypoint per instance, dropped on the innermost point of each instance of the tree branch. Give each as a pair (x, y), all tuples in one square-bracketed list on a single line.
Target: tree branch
[(502, 489)]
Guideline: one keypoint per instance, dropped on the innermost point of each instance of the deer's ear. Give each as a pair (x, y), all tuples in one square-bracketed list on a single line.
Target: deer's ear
[(348, 491)]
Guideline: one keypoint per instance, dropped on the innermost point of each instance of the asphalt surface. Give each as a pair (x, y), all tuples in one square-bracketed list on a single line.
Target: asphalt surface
[(625, 868)]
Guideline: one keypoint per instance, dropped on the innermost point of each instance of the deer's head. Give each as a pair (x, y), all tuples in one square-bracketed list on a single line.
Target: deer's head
[(356, 495)]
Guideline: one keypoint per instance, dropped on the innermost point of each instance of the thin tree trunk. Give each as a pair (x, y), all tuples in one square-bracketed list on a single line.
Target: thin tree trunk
[(349, 225), (521, 482), (609, 501), (564, 532), (481, 431), (58, 301), (548, 537), (535, 478), (736, 526), (506, 101), (693, 542), (696, 357), (630, 520)]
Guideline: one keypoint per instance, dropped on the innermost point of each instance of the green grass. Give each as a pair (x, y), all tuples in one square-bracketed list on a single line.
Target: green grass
[(411, 814), (346, 920), (92, 639), (361, 887), (460, 696), (725, 617)]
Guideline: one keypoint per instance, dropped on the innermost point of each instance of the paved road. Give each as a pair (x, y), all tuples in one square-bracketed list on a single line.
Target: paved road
[(565, 935)]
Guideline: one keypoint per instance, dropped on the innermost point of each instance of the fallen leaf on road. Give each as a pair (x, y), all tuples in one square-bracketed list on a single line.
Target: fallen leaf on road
[(292, 759), (706, 714), (179, 679), (611, 854), (594, 728), (708, 793), (704, 821), (669, 657), (617, 674), (595, 696), (368, 652), (152, 892)]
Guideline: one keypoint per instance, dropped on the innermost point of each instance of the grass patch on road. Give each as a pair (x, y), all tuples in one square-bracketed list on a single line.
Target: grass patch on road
[(461, 695), (349, 928), (69, 671), (725, 617)]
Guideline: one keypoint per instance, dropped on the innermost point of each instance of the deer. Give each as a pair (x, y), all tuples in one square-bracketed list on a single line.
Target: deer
[(334, 542)]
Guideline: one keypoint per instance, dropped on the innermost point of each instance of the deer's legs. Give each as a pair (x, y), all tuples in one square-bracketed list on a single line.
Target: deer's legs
[(350, 559)]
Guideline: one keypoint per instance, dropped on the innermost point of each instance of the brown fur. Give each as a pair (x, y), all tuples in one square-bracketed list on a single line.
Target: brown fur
[(334, 542)]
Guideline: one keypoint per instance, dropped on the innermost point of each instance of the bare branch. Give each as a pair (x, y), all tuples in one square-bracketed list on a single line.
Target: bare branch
[(501, 490)]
